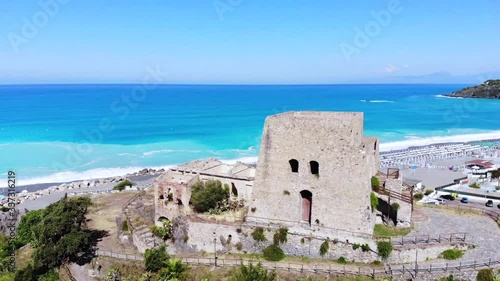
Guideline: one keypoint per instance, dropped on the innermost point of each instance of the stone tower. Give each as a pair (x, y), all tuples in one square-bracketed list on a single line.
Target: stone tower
[(314, 171)]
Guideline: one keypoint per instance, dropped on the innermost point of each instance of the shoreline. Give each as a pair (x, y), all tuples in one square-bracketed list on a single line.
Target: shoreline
[(34, 187)]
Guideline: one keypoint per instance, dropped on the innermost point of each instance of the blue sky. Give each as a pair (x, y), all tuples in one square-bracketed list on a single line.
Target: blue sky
[(244, 41)]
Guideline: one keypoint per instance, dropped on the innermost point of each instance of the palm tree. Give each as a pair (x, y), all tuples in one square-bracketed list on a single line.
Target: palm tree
[(174, 270)]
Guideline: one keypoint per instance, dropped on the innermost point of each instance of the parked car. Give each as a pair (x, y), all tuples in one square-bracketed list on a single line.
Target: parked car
[(489, 203), (447, 197), (464, 200)]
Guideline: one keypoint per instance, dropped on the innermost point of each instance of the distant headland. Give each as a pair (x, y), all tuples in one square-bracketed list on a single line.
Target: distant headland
[(490, 89)]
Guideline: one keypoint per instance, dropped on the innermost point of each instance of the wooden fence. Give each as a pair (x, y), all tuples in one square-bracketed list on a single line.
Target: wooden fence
[(458, 237), (330, 268)]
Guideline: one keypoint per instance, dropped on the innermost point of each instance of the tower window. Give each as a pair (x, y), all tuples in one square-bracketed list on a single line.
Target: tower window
[(294, 165)]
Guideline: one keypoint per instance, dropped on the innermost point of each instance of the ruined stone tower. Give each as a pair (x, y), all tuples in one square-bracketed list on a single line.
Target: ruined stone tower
[(314, 171)]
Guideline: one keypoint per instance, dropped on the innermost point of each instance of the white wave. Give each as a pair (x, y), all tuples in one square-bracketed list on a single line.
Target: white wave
[(70, 176), (153, 152), (246, 160), (415, 141), (376, 101), (447, 97)]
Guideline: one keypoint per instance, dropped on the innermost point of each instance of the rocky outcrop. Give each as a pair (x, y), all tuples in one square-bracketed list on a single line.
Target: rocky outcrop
[(488, 90)]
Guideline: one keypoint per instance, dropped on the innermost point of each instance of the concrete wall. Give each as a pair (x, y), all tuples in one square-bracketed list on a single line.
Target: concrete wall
[(341, 192)]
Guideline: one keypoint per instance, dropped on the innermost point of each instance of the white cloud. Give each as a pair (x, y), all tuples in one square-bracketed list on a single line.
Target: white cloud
[(391, 68)]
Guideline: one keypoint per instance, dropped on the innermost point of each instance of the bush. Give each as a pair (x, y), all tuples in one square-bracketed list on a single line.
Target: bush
[(485, 275), (286, 192), (474, 185), (355, 246), (4, 209), (341, 260), (254, 273), (155, 258), (373, 201), (207, 195), (418, 196), (273, 253), (365, 248), (164, 232), (239, 246), (384, 249), (325, 246), (121, 186), (395, 206), (280, 236), (124, 225), (258, 234), (451, 254), (375, 183)]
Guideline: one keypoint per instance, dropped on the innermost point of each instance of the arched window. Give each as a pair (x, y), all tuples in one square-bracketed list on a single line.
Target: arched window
[(294, 165), (314, 167), (306, 205)]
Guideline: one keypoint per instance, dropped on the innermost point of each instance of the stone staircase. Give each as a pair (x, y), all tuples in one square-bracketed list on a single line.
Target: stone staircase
[(142, 236)]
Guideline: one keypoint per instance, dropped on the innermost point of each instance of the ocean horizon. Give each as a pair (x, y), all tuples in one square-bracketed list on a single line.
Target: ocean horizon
[(61, 133)]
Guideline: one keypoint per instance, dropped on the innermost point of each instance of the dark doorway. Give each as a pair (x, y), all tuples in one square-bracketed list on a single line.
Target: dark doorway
[(306, 202), (234, 191)]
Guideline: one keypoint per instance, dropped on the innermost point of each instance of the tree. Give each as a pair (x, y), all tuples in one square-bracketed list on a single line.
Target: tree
[(61, 233), (485, 275), (206, 195), (155, 258), (25, 229), (253, 273)]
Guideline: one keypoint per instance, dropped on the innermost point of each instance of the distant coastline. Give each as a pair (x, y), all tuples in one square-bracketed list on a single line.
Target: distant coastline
[(490, 89)]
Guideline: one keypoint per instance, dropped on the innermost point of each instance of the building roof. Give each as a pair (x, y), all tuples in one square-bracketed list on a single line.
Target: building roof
[(481, 163)]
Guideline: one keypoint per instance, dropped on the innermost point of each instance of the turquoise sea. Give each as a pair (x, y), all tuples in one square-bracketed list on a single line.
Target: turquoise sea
[(54, 133)]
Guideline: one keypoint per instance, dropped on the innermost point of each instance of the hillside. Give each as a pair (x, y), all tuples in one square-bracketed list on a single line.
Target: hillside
[(490, 89)]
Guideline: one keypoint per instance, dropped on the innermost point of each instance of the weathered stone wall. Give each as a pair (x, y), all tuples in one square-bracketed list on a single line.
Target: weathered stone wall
[(243, 186), (341, 192)]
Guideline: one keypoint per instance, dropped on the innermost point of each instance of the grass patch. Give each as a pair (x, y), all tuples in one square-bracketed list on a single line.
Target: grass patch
[(325, 246), (451, 254), (384, 249), (381, 230)]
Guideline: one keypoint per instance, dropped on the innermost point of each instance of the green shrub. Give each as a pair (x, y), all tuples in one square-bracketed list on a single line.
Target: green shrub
[(485, 275), (325, 246), (4, 209), (373, 201), (375, 183), (355, 246), (253, 273), (273, 253), (239, 246), (258, 234), (164, 232), (302, 240), (418, 196), (124, 225), (428, 192), (365, 248), (121, 186), (497, 187), (286, 192), (155, 258), (280, 236), (384, 249), (395, 206), (49, 276), (341, 260), (207, 195), (451, 254), (474, 185), (376, 262)]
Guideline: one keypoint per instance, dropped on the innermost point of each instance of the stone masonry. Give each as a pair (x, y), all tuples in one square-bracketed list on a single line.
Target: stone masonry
[(314, 168)]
